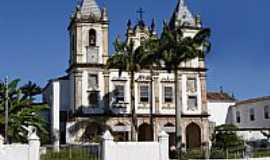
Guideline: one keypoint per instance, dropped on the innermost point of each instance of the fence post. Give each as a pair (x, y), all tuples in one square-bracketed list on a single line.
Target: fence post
[(107, 141), (1, 140), (34, 146), (163, 139)]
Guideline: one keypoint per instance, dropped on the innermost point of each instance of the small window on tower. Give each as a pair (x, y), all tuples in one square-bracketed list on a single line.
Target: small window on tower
[(92, 81), (92, 37), (93, 98)]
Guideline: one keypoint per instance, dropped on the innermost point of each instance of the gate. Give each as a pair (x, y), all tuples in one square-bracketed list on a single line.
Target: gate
[(73, 152)]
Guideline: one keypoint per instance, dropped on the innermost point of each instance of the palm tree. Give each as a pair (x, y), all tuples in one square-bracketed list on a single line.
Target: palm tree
[(23, 113), (128, 58), (30, 90), (175, 49), (150, 59)]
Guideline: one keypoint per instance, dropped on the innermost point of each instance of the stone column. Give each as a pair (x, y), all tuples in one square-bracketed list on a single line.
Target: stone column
[(78, 90), (163, 140), (106, 90), (34, 146)]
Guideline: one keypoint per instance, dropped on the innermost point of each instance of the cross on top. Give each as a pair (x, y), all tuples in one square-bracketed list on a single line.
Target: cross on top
[(140, 12)]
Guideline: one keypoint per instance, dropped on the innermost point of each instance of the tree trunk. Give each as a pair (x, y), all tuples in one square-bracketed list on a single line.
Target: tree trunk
[(133, 111), (151, 103), (178, 112)]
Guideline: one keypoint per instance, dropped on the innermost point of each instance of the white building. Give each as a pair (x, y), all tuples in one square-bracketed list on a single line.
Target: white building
[(218, 106), (84, 103), (251, 117)]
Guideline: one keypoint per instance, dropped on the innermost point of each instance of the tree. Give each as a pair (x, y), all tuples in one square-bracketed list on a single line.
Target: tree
[(23, 113), (128, 58), (176, 48), (31, 89), (150, 59), (226, 139)]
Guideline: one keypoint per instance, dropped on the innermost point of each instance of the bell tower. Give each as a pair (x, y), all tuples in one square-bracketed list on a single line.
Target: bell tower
[(88, 31)]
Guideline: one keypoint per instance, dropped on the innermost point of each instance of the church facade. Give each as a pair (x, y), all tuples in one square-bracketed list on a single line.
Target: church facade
[(91, 99)]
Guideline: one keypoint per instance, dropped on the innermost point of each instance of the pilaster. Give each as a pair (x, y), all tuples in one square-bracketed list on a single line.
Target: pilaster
[(203, 92), (78, 89), (156, 92), (106, 90)]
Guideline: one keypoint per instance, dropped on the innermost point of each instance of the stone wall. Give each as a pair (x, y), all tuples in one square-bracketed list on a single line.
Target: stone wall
[(28, 151)]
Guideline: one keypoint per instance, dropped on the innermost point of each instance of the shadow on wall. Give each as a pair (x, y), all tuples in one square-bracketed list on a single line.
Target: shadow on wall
[(92, 129)]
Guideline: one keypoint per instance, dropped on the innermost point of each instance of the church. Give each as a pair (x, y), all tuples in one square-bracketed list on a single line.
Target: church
[(83, 103)]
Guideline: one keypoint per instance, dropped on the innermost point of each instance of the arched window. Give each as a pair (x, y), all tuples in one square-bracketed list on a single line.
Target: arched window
[(92, 37), (252, 114), (238, 118), (266, 112)]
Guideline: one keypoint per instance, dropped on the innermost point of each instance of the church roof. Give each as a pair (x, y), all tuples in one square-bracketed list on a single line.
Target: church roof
[(220, 97), (90, 8), (252, 100), (182, 16)]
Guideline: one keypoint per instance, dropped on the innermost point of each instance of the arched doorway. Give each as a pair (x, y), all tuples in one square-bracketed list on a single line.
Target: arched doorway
[(193, 136), (120, 132), (93, 132), (144, 133)]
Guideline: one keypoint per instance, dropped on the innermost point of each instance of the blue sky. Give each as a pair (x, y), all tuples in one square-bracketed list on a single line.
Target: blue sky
[(34, 38)]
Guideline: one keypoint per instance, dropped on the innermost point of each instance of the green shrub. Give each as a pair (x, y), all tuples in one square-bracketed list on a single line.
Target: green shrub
[(69, 154), (259, 154), (193, 154)]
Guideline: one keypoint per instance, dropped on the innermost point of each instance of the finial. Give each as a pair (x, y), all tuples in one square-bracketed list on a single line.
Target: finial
[(198, 20), (221, 89), (153, 25), (129, 23), (165, 22), (104, 14), (118, 39)]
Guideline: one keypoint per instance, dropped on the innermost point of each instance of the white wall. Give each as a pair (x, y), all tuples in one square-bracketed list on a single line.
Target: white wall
[(21, 151), (218, 111), (57, 95), (12, 152), (135, 150), (250, 130), (260, 121)]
